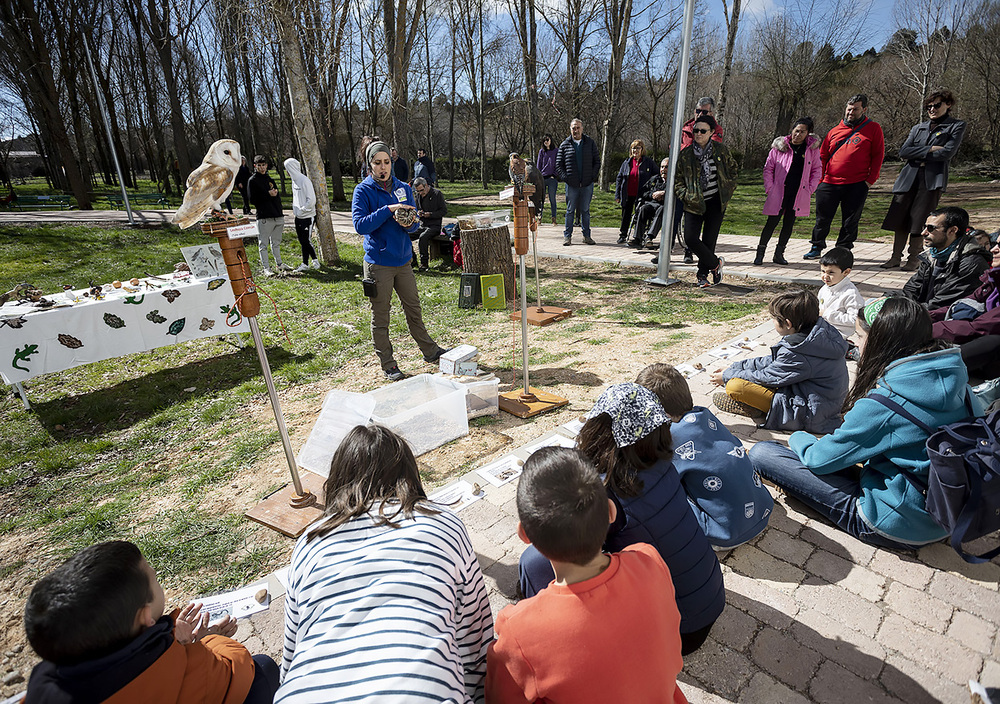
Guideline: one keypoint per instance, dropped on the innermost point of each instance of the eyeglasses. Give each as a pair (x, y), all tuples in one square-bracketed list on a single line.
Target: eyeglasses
[(637, 149), (702, 112), (934, 106), (698, 131), (931, 228)]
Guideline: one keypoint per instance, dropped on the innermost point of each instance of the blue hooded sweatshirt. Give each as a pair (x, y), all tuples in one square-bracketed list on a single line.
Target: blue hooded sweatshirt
[(933, 387), (808, 374), (385, 241), (730, 502)]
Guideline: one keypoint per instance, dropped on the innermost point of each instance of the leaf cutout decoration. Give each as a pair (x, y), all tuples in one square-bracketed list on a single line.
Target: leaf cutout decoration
[(215, 283), (69, 341), (113, 321), (154, 316), (171, 294), (206, 324), (176, 326)]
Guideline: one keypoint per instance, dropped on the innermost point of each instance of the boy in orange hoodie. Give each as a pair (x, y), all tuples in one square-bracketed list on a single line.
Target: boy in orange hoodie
[(97, 622)]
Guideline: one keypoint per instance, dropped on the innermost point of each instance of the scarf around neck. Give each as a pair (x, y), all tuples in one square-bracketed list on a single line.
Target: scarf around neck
[(704, 156)]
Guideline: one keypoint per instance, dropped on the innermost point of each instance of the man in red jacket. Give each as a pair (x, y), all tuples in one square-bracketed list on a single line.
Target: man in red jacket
[(852, 154)]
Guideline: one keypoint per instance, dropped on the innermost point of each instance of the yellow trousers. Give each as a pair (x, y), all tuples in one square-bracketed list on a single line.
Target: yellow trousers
[(751, 394)]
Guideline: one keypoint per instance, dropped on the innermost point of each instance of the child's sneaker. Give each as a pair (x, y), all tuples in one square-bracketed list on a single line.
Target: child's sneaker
[(703, 283), (727, 404), (315, 264), (717, 272)]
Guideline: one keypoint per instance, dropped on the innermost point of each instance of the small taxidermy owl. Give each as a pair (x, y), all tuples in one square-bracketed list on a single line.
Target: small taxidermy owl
[(211, 183), (517, 171)]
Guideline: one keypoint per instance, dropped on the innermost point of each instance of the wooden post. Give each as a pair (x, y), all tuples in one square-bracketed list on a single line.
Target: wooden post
[(487, 251)]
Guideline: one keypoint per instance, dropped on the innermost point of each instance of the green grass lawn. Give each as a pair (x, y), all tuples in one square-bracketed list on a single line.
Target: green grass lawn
[(104, 440)]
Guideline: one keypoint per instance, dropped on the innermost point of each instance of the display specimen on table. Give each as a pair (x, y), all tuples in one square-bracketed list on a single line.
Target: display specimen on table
[(210, 184), (528, 401), (487, 251)]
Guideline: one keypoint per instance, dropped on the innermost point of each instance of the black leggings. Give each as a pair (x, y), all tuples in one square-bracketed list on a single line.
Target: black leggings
[(302, 228), (266, 678), (786, 229), (701, 233)]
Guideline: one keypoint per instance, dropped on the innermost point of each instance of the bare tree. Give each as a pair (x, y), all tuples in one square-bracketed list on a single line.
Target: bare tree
[(925, 45), (732, 27), (570, 22), (401, 24)]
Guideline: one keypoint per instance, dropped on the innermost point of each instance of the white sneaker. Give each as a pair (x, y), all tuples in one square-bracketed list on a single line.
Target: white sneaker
[(315, 264), (302, 267), (284, 267), (268, 272)]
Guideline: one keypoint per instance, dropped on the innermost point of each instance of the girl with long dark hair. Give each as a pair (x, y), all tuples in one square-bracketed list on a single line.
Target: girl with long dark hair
[(876, 502), (385, 594)]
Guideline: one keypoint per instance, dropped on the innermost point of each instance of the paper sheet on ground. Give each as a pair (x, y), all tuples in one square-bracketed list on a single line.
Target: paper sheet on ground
[(456, 495), (554, 440), (573, 427), (238, 604), (687, 371), (725, 352), (504, 470)]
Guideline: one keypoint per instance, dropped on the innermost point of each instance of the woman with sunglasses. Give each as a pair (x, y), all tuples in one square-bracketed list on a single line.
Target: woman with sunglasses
[(923, 178), (706, 179)]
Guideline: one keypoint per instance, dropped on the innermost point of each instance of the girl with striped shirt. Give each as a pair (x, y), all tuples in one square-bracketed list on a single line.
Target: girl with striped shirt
[(386, 600)]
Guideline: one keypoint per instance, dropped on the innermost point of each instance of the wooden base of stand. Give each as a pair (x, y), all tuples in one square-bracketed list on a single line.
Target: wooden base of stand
[(543, 315), (290, 513), (513, 402)]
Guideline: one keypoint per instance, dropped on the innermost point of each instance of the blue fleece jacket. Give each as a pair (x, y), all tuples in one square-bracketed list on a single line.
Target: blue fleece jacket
[(931, 386), (724, 491), (660, 516), (385, 241), (808, 374)]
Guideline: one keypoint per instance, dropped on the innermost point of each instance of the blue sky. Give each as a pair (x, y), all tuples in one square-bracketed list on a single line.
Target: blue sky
[(878, 30)]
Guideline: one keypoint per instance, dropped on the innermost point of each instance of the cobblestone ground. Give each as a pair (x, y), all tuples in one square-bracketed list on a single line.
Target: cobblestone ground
[(812, 614)]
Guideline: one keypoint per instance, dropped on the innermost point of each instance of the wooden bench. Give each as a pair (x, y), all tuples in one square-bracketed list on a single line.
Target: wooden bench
[(38, 202), (137, 199)]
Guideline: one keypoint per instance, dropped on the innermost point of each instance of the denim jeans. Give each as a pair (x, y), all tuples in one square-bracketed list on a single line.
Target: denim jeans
[(551, 186), (833, 495), (578, 198)]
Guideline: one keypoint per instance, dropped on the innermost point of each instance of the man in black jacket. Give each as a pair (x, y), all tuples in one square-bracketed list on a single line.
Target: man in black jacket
[(242, 177), (431, 209), (263, 194), (951, 264), (577, 162)]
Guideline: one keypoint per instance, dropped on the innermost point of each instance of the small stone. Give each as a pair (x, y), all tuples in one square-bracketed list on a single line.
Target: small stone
[(12, 678), (58, 427), (190, 389), (261, 596), (20, 646)]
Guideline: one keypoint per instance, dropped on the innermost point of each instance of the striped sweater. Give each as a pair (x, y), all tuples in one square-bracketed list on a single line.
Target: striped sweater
[(380, 614)]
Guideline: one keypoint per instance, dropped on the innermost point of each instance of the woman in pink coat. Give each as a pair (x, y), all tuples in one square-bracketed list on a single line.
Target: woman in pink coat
[(791, 175)]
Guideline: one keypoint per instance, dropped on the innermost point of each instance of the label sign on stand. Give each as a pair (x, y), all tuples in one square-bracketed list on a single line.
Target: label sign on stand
[(237, 232)]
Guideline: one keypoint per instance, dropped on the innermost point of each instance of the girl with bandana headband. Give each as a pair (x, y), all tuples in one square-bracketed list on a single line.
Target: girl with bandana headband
[(627, 437), (901, 364)]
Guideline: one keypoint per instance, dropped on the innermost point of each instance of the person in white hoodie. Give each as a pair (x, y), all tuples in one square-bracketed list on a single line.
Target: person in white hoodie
[(839, 299), (304, 208)]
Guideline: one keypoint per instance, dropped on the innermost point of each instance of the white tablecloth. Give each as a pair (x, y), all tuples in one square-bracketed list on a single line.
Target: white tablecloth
[(34, 341)]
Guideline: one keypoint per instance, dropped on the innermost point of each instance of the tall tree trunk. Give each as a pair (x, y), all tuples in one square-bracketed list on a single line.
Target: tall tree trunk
[(302, 114), (400, 30), (732, 26), (26, 48), (617, 21)]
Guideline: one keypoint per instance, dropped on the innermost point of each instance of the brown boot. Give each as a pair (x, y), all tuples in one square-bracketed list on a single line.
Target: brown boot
[(913, 255), (898, 244)]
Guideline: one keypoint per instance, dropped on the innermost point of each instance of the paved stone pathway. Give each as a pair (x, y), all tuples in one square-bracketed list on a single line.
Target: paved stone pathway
[(812, 614)]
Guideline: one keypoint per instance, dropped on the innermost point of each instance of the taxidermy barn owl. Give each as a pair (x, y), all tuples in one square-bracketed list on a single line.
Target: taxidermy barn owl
[(210, 184)]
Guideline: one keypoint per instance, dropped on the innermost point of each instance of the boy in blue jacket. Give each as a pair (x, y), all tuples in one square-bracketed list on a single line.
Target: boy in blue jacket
[(383, 213), (726, 494), (803, 383)]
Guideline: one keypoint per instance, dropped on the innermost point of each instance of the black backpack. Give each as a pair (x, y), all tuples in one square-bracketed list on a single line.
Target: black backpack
[(963, 481)]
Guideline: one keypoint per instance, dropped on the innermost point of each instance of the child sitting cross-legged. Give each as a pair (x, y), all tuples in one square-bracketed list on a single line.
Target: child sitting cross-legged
[(627, 437), (803, 383), (97, 622), (607, 628), (731, 503)]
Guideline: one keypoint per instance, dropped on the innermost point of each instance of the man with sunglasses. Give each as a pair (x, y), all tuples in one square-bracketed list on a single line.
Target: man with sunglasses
[(852, 155), (951, 264), (924, 176), (705, 106)]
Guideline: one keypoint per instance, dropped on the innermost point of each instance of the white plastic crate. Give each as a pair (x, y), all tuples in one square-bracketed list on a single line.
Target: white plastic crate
[(427, 411)]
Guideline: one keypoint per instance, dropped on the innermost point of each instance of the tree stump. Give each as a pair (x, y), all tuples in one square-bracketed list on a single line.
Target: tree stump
[(487, 251)]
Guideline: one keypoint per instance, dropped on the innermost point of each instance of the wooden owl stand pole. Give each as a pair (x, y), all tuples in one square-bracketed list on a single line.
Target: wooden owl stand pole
[(529, 401), (292, 509)]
